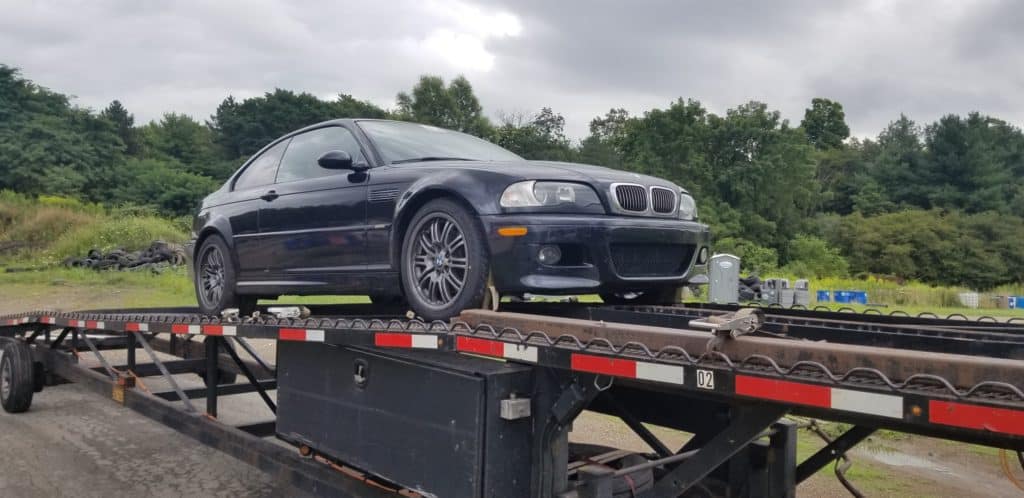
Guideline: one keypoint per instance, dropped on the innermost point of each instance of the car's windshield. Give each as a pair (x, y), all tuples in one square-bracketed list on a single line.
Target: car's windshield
[(400, 142)]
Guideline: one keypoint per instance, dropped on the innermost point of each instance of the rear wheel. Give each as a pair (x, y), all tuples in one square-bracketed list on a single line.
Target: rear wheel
[(444, 261), (17, 377), (653, 296), (216, 280)]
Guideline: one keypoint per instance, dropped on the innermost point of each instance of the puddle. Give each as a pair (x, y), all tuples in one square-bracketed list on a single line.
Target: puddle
[(899, 459)]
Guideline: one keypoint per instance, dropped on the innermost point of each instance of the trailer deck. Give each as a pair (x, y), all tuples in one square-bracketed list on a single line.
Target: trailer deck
[(357, 390)]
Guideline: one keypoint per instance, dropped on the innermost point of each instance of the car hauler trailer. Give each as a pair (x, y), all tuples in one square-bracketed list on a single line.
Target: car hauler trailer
[(372, 405)]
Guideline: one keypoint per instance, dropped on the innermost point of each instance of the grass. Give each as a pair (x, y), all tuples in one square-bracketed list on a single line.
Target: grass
[(871, 478)]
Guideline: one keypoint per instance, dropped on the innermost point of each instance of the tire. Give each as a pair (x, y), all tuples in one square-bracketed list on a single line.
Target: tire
[(627, 485), (17, 377), (434, 261), (655, 296), (223, 377), (216, 288)]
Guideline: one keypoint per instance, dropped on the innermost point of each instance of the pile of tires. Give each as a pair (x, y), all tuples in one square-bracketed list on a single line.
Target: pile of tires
[(158, 254), (750, 288)]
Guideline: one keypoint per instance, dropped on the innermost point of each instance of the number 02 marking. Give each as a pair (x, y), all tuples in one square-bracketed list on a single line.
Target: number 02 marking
[(705, 379)]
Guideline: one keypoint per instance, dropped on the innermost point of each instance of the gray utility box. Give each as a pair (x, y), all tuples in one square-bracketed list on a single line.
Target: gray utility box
[(428, 421), (802, 292), (777, 291), (724, 273)]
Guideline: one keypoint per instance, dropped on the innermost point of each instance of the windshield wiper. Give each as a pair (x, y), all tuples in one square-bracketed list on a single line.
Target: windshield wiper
[(430, 158)]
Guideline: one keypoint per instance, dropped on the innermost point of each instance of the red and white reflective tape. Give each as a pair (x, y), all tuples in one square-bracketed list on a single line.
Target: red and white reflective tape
[(48, 320), (500, 349), (220, 330), (301, 335), (137, 327), (630, 369), (401, 340), (17, 321), (184, 328), (86, 324), (882, 405), (976, 417)]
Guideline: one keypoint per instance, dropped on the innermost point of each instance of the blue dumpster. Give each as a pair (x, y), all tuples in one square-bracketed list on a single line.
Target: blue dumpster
[(823, 296), (859, 297), (841, 296)]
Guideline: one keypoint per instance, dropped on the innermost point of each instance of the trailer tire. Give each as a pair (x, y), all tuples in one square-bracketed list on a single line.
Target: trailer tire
[(223, 377), (17, 377), (627, 486)]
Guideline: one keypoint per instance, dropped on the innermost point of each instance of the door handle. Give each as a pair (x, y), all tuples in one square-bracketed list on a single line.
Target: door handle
[(269, 196)]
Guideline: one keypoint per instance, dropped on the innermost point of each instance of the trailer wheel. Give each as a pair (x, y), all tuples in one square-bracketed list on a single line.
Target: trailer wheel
[(627, 486), (17, 377), (223, 377)]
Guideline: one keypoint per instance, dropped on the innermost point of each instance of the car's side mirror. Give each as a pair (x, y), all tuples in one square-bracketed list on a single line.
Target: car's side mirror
[(339, 159), (335, 159)]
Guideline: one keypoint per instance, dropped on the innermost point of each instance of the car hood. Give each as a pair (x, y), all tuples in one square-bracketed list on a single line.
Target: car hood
[(598, 176)]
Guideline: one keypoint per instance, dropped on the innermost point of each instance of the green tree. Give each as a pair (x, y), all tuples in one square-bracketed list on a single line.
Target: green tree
[(454, 106), (825, 124), (164, 185), (754, 258), (970, 162), (763, 168), (898, 163), (124, 122), (179, 137), (49, 146), (243, 128), (540, 137), (812, 257)]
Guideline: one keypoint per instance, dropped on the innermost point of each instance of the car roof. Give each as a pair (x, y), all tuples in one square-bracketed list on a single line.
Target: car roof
[(339, 121)]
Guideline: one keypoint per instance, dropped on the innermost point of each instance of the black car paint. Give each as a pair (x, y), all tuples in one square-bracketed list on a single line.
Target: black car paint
[(342, 233)]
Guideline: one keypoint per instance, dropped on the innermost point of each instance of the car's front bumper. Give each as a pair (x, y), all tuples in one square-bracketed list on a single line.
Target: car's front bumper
[(516, 267)]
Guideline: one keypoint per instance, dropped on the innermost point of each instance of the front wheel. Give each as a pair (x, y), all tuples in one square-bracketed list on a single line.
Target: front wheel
[(655, 296), (216, 279), (444, 261)]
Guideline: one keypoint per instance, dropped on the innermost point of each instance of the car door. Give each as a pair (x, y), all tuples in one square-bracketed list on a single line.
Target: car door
[(242, 209), (313, 220)]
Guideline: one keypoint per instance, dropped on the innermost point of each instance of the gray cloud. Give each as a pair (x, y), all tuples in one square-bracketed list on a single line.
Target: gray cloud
[(878, 58)]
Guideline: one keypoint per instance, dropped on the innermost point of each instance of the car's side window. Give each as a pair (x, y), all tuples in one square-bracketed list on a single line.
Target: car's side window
[(299, 161), (262, 170)]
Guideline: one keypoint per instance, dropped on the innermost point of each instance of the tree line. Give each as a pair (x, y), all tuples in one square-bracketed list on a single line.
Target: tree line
[(940, 202)]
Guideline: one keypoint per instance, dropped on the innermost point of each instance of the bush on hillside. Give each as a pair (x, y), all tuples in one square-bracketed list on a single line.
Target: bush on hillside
[(129, 233)]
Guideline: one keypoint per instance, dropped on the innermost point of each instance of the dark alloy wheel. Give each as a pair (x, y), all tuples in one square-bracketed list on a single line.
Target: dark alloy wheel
[(215, 280), (659, 295), (17, 377), (444, 261)]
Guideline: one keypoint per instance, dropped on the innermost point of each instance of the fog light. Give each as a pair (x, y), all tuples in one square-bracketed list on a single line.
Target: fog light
[(702, 256), (549, 255)]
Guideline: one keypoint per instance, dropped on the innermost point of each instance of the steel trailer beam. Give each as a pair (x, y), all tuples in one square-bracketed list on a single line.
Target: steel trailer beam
[(748, 424), (961, 371), (832, 451)]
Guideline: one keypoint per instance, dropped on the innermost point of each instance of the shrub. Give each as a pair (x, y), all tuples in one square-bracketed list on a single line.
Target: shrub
[(754, 258), (813, 257), (130, 233), (41, 227)]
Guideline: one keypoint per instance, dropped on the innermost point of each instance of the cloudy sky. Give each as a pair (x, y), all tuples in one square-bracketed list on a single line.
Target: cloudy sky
[(877, 57)]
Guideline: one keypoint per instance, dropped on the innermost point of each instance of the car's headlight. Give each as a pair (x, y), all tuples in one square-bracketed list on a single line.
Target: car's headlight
[(548, 194), (687, 207)]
